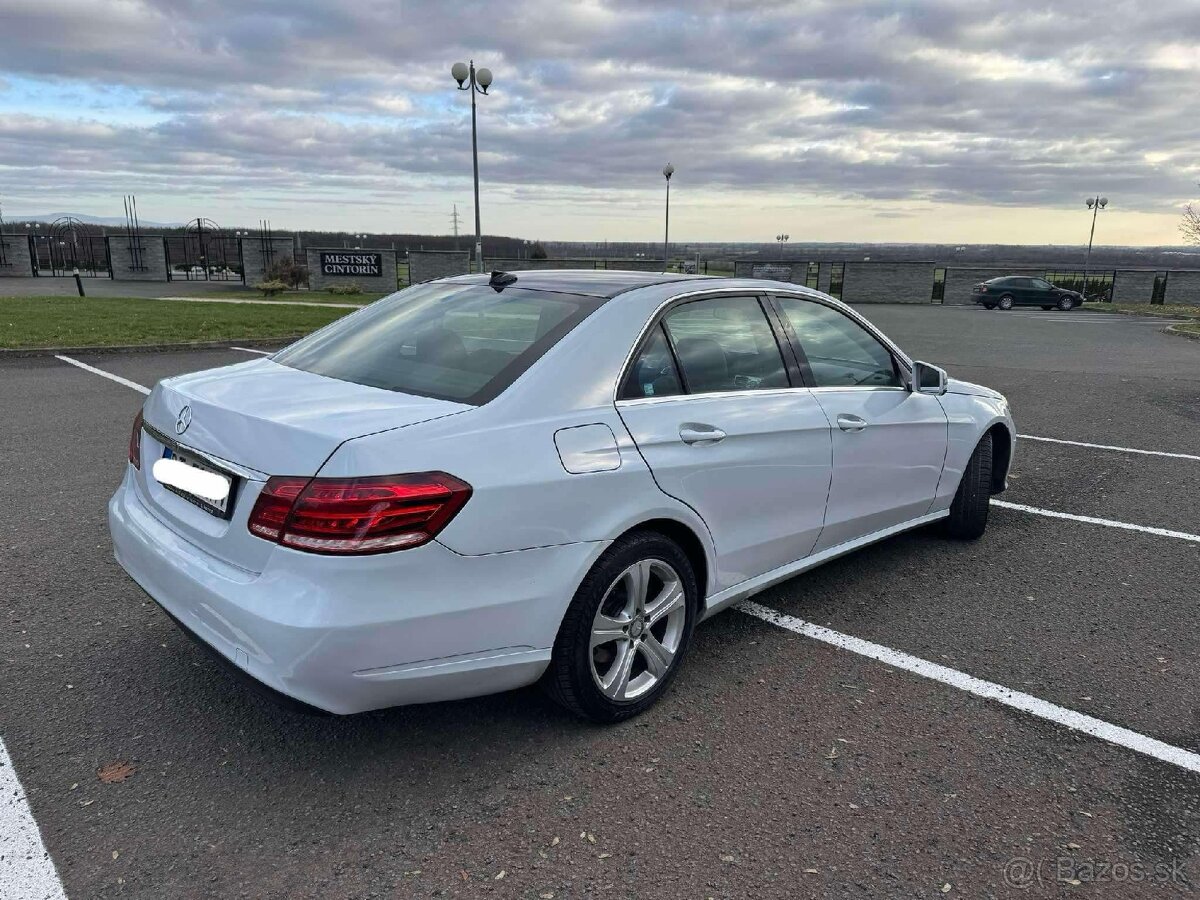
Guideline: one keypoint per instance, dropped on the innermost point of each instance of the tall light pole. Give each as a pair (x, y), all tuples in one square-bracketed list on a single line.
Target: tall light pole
[(668, 171), (783, 239), (477, 82), (1095, 204)]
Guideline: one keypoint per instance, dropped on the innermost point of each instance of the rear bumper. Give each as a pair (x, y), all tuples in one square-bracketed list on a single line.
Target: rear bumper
[(347, 635)]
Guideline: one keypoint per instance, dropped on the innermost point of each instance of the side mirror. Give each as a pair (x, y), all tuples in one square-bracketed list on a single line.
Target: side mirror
[(928, 379)]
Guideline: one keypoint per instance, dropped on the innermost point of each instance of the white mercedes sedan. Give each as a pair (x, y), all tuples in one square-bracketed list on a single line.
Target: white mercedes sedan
[(482, 482)]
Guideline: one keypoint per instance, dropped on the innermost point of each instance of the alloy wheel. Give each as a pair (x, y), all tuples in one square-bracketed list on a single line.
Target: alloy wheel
[(637, 630)]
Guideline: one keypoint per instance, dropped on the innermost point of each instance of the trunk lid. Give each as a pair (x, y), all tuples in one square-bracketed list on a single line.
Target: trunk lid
[(253, 420)]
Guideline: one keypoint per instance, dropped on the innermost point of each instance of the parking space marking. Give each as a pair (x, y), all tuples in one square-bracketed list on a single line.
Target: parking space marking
[(1033, 437), (1106, 731), (109, 375), (1092, 520), (26, 869), (252, 350)]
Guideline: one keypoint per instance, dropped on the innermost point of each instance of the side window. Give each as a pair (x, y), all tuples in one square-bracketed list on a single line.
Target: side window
[(725, 344), (1041, 285), (840, 352), (653, 372)]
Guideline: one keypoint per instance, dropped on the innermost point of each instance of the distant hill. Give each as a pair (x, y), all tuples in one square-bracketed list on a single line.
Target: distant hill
[(110, 221)]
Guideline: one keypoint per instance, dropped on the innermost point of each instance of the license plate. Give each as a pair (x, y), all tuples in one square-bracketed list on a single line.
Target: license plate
[(219, 508)]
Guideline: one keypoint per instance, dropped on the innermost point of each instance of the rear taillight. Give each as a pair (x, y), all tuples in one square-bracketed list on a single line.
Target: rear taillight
[(357, 515), (135, 442)]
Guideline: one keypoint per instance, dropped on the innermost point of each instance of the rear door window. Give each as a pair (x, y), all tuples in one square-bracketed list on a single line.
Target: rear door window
[(653, 373), (452, 341), (725, 344)]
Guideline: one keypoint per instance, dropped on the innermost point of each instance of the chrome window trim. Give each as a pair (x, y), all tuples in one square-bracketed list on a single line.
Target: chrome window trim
[(764, 392)]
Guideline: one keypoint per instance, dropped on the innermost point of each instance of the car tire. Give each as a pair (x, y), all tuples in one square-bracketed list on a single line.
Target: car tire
[(969, 510), (610, 681), (1006, 302), (1066, 304)]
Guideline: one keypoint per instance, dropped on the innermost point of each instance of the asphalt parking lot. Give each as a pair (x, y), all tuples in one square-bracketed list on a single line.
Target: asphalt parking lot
[(778, 765)]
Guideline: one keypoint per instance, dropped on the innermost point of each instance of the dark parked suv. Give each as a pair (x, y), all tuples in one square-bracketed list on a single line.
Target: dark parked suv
[(1021, 290)]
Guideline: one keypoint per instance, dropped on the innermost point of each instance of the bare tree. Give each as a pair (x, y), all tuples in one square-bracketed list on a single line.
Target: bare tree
[(1190, 226)]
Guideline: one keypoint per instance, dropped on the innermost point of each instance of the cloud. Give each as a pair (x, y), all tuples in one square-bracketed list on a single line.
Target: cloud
[(922, 101)]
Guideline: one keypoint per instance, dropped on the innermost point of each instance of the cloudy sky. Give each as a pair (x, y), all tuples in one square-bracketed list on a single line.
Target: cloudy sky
[(931, 120)]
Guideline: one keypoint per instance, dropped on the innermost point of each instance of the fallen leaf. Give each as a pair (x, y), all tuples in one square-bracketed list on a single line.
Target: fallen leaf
[(811, 872), (116, 853), (86, 802), (605, 855), (115, 771), (1074, 881), (554, 843), (549, 895), (500, 875), (591, 838), (1089, 815), (946, 888), (726, 858), (464, 875), (833, 754)]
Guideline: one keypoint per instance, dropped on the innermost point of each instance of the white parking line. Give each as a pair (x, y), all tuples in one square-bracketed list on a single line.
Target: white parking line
[(1092, 520), (1033, 437), (1060, 715), (26, 870), (109, 375), (252, 350)]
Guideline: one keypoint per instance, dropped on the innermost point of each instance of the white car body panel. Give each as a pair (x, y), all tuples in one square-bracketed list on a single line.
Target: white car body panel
[(887, 472), (559, 470), (761, 489)]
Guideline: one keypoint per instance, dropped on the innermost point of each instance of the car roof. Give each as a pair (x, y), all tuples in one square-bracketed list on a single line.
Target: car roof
[(603, 283)]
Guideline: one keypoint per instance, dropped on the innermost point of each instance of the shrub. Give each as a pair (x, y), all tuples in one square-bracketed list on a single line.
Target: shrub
[(271, 288), (537, 251), (288, 271), (350, 288)]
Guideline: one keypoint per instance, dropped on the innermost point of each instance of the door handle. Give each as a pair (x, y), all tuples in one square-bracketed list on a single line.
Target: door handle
[(850, 423), (699, 433)]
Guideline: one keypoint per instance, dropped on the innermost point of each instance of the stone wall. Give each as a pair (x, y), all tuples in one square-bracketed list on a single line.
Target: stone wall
[(17, 261), (352, 260), (255, 262), (1133, 286), (888, 282), (426, 265), (959, 281), (153, 257), (1183, 287), (509, 264)]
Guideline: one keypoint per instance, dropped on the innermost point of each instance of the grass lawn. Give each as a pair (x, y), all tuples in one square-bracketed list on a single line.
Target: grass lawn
[(111, 321)]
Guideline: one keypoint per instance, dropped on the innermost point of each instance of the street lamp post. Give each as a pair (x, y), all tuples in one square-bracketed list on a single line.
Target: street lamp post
[(783, 238), (1095, 204), (477, 82), (668, 171)]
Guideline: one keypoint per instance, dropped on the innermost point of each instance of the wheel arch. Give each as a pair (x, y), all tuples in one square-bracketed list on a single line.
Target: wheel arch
[(688, 540), (1001, 455)]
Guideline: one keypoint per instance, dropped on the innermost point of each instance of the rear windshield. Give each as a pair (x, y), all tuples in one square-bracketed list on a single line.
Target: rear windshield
[(463, 342)]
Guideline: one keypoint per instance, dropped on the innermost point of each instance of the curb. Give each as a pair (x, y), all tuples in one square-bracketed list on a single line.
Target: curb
[(1187, 335), (17, 352)]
